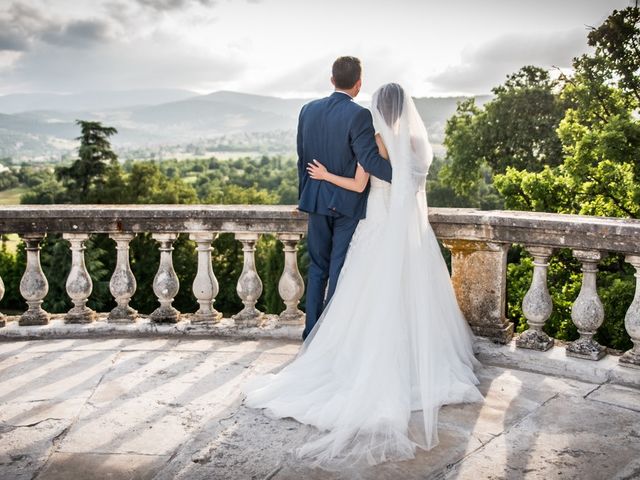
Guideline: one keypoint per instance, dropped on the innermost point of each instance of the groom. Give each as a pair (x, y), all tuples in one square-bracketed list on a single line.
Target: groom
[(339, 133)]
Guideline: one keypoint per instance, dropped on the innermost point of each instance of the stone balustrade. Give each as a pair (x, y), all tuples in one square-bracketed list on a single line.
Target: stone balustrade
[(478, 240)]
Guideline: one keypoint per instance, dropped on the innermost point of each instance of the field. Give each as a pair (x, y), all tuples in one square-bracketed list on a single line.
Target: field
[(12, 196)]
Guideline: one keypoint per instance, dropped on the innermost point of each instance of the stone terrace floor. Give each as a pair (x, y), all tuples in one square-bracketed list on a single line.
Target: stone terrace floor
[(165, 408)]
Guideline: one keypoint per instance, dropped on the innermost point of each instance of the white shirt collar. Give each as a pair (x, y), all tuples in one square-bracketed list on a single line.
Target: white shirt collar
[(340, 91)]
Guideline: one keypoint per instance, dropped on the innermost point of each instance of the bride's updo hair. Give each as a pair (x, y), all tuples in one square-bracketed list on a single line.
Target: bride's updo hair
[(390, 101)]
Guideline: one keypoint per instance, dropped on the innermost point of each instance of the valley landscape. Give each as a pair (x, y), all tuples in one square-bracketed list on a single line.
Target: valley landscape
[(161, 124)]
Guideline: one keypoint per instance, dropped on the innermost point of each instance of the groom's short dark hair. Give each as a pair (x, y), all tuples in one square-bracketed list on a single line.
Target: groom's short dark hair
[(346, 72)]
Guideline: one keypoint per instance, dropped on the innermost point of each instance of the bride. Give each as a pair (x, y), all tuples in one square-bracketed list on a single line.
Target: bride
[(392, 345)]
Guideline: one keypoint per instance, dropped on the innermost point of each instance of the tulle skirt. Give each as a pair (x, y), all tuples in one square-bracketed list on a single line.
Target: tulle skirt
[(391, 347)]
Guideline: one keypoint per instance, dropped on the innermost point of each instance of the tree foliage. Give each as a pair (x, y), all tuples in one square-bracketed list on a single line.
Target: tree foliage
[(599, 133), (514, 130), (86, 174)]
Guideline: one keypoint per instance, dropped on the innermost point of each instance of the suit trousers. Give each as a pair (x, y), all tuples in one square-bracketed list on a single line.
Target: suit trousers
[(328, 239)]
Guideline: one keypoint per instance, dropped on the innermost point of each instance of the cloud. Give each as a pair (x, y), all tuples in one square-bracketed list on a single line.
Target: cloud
[(22, 26), (19, 24), (162, 5), (79, 33), (155, 63), (61, 54), (487, 65), (10, 39)]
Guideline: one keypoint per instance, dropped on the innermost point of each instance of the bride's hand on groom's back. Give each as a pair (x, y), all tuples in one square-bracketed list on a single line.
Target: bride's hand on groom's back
[(316, 170)]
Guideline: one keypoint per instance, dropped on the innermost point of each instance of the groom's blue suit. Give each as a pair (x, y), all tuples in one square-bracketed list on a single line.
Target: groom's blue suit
[(338, 133)]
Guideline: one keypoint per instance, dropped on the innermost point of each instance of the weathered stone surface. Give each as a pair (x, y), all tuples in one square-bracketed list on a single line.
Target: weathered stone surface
[(478, 275), (536, 304), (152, 218), (2, 319), (534, 340), (65, 466), (270, 327), (569, 437), (537, 228), (79, 284), (555, 362), (33, 284), (587, 311), (249, 285), (291, 284), (617, 395), (169, 408), (205, 285), (123, 283), (165, 283), (25, 448), (62, 374), (528, 228), (632, 319)]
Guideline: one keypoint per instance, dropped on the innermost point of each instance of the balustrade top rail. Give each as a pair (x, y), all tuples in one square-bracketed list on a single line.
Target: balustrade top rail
[(24, 219), (537, 228), (531, 228)]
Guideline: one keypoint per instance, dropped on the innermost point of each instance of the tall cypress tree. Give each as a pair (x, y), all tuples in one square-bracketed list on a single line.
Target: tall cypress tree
[(94, 157)]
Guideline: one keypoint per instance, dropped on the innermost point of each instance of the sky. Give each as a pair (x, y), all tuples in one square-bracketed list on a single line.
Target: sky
[(286, 47)]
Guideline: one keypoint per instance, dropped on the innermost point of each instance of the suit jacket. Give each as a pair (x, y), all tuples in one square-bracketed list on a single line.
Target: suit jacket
[(338, 133)]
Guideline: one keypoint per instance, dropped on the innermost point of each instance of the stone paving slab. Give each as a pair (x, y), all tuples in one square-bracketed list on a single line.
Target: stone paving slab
[(101, 466), (171, 408), (571, 437)]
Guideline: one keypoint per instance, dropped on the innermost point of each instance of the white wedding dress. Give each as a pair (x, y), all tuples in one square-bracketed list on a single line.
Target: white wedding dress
[(392, 346)]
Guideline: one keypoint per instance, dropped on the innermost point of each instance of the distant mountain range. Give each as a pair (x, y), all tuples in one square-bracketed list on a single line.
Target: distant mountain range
[(41, 127)]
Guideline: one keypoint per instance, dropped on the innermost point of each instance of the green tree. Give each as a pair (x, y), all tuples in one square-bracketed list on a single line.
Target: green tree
[(87, 172), (515, 129), (600, 133)]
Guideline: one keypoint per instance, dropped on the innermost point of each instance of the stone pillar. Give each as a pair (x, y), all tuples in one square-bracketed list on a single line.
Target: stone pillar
[(3, 320), (79, 284), (165, 283), (479, 277), (123, 283), (205, 284), (33, 285), (249, 286), (291, 285), (587, 311), (537, 305), (631, 358)]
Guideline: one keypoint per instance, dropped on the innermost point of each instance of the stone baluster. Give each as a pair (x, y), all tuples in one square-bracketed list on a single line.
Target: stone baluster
[(123, 283), (249, 286), (165, 283), (479, 278), (79, 284), (291, 285), (3, 320), (33, 285), (631, 358), (587, 311), (537, 305), (205, 284)]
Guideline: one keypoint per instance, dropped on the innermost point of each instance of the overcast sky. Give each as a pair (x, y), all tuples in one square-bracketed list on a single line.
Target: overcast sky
[(285, 47)]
